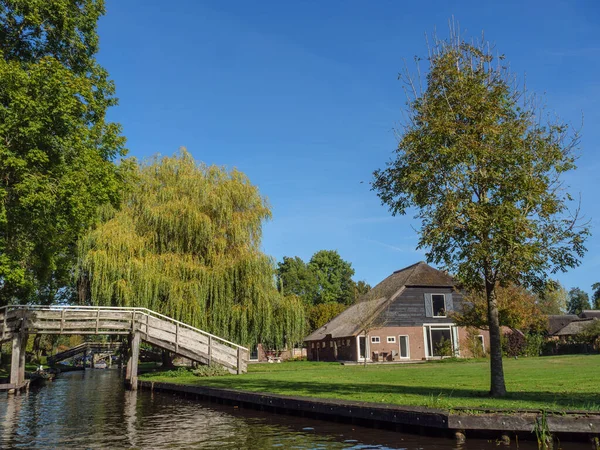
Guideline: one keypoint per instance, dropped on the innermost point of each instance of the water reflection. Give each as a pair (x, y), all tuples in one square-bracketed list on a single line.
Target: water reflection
[(91, 409)]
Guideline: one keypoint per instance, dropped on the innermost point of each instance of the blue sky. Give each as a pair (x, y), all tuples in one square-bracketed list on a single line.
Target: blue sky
[(303, 97)]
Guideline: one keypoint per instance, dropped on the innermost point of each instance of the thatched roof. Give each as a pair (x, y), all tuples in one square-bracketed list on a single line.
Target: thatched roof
[(589, 313), (575, 327), (557, 322), (349, 322)]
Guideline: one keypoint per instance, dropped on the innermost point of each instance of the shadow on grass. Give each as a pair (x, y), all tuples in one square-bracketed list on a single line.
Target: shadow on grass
[(431, 395)]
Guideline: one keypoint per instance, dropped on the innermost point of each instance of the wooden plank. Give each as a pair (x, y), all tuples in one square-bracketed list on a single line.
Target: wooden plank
[(116, 315), (160, 324), (161, 334), (189, 333), (88, 325), (209, 349), (66, 313), (193, 345), (194, 356), (225, 349)]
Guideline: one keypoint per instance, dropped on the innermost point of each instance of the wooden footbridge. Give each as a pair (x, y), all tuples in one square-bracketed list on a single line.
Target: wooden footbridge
[(84, 349), (17, 322)]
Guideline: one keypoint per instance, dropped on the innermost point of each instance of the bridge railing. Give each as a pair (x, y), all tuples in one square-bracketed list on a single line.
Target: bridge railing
[(156, 328)]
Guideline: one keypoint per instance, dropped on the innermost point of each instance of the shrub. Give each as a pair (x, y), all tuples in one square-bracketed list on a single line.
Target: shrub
[(443, 347), (534, 344), (514, 344), (473, 344), (590, 334), (181, 371), (213, 370)]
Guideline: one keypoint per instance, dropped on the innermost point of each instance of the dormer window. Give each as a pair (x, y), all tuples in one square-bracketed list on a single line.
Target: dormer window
[(438, 304)]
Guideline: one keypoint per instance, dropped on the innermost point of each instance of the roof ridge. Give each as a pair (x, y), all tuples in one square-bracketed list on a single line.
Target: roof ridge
[(408, 267), (406, 282)]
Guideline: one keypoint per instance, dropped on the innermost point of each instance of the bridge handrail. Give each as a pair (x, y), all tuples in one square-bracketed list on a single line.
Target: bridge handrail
[(146, 311)]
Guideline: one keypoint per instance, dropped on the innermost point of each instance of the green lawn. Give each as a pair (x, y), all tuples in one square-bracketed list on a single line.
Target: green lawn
[(554, 383), (29, 367)]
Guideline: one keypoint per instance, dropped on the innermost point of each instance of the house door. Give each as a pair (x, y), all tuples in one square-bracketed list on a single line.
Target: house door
[(362, 347), (404, 345)]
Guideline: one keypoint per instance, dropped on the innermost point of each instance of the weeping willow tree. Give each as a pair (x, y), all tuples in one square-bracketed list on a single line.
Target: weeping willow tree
[(186, 243)]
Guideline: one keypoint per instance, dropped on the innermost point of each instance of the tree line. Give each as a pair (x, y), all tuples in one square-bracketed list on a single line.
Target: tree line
[(324, 285)]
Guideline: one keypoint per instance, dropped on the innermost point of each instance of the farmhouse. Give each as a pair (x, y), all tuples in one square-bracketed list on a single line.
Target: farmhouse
[(407, 317)]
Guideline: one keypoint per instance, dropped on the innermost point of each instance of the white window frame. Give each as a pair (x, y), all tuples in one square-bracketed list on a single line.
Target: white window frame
[(453, 333), (391, 339), (407, 346), (367, 348), (375, 340), (433, 309), (481, 337)]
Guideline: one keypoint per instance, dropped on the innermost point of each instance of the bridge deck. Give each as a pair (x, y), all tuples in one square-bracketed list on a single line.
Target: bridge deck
[(82, 348), (151, 327)]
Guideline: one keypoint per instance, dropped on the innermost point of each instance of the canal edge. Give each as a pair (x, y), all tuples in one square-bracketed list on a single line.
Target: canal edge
[(497, 424)]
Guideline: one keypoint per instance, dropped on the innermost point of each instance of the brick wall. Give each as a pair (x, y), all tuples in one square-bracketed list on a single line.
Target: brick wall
[(415, 341), (346, 349)]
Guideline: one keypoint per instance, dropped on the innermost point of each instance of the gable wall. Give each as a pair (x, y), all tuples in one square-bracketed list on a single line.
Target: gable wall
[(408, 309)]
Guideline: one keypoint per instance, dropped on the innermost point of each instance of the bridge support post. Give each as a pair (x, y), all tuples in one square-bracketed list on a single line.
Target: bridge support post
[(17, 365), (131, 375)]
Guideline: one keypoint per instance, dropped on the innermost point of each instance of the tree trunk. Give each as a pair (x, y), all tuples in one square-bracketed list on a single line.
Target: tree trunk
[(36, 348), (498, 387), (167, 359)]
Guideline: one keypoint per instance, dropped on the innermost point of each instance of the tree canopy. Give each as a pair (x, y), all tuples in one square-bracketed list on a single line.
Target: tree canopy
[(596, 296), (482, 167), (294, 277), (56, 146), (186, 243), (578, 301), (553, 299), (333, 278), (326, 278), (517, 308)]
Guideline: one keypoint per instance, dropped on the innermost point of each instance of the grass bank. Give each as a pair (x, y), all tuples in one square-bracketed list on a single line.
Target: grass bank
[(557, 383)]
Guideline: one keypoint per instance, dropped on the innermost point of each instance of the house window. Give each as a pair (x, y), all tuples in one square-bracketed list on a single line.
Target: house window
[(391, 339), (480, 337), (441, 341), (375, 340), (323, 344), (438, 303), (330, 344), (312, 345), (348, 342), (404, 347)]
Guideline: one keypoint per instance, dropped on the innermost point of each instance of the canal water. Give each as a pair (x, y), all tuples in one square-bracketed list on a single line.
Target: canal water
[(91, 409)]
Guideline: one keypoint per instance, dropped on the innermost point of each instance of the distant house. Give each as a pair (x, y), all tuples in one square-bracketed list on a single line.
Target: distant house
[(574, 328), (409, 313), (590, 314), (559, 321), (569, 325)]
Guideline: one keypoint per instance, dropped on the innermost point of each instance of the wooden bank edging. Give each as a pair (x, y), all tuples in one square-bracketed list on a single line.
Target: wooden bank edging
[(421, 420)]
